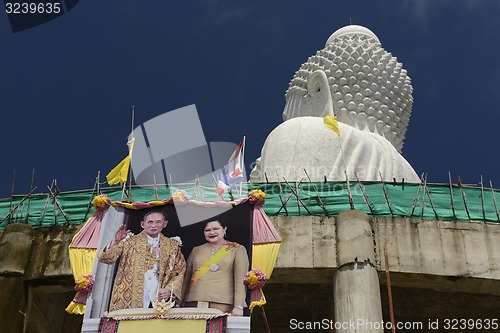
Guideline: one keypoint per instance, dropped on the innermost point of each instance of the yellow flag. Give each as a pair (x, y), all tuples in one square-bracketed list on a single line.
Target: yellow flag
[(119, 174), (332, 123)]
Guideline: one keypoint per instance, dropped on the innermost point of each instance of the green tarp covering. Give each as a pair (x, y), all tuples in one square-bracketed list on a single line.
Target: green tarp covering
[(429, 202)]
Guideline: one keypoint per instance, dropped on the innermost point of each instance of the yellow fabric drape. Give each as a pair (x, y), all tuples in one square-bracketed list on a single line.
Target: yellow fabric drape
[(81, 261), (75, 308), (260, 300), (264, 257)]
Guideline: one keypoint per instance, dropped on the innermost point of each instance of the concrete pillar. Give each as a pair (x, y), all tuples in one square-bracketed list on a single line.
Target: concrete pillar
[(357, 303)]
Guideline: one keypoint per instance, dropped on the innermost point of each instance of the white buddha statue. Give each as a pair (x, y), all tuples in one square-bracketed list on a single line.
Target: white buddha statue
[(355, 79)]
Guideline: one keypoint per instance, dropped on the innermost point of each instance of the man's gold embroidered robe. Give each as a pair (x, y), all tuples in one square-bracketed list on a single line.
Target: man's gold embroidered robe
[(128, 288)]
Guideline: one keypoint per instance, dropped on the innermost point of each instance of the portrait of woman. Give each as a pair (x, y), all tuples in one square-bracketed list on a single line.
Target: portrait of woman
[(215, 272)]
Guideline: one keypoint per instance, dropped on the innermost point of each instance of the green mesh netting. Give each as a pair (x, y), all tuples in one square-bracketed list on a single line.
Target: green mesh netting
[(435, 201)]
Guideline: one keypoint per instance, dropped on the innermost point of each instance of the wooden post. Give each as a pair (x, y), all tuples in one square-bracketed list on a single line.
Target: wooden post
[(482, 199), (349, 194), (95, 191), (451, 195), (265, 319), (31, 190), (386, 195), (494, 200), (423, 198), (365, 197), (243, 162), (155, 188), (12, 192), (417, 196), (430, 200), (464, 198)]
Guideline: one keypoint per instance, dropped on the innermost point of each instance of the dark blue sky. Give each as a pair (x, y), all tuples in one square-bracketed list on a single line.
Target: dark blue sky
[(68, 86)]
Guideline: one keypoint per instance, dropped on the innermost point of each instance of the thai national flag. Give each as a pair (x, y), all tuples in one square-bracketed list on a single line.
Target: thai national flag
[(233, 172)]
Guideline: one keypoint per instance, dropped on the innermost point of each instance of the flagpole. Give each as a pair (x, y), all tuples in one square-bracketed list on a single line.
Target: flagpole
[(343, 159), (243, 160), (219, 197), (332, 123), (130, 166)]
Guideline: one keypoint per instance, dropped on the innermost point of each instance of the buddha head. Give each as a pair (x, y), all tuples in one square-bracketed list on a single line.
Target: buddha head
[(355, 79)]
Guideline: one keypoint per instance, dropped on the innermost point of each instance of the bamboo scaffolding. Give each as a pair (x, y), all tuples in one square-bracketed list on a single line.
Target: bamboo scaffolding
[(349, 194), (430, 199), (44, 210), (386, 195), (57, 204), (20, 212), (31, 190), (423, 198), (317, 194), (296, 195), (243, 162), (12, 191), (219, 197), (200, 188), (11, 210), (283, 203), (482, 199), (464, 198), (155, 188), (295, 192), (95, 191), (451, 196), (494, 201), (365, 197), (415, 201), (18, 215), (125, 196)]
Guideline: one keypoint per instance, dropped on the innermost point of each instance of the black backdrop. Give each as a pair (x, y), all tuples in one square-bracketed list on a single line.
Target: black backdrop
[(237, 219)]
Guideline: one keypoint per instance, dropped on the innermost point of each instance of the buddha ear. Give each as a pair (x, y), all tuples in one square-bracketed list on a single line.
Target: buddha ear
[(320, 96)]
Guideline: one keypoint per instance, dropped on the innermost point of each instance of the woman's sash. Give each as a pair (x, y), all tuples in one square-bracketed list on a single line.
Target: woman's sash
[(223, 251)]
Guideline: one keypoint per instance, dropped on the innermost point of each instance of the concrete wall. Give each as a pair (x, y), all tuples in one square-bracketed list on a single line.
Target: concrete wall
[(437, 269), (307, 241), (461, 249)]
